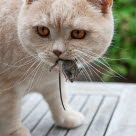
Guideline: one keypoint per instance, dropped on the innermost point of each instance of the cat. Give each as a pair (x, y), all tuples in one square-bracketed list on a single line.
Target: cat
[(34, 34)]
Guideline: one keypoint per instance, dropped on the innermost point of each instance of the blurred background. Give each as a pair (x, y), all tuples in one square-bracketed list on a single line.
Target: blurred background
[(120, 59)]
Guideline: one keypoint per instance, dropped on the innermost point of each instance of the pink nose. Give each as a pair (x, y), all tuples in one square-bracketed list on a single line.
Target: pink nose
[(57, 52)]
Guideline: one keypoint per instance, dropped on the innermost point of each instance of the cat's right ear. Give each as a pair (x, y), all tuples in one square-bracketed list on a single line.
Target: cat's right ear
[(103, 5)]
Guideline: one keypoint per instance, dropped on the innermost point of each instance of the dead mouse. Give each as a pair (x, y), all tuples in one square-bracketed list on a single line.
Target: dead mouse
[(70, 69)]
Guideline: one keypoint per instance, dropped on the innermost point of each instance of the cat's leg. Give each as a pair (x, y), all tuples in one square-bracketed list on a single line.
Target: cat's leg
[(68, 118), (10, 122)]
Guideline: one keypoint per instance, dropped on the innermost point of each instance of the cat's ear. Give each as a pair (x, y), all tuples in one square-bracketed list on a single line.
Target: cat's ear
[(27, 2), (103, 5)]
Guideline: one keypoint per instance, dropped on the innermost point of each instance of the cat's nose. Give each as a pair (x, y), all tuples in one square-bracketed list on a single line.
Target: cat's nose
[(57, 52)]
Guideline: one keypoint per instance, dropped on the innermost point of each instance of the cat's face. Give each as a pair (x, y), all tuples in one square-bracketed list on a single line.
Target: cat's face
[(70, 29)]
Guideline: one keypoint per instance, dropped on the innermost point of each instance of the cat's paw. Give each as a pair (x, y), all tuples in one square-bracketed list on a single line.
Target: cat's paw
[(21, 132), (70, 119)]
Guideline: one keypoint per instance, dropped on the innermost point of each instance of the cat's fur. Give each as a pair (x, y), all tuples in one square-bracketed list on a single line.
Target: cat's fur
[(18, 39)]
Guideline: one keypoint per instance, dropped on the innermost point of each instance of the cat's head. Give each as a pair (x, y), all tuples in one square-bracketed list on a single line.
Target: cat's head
[(70, 29)]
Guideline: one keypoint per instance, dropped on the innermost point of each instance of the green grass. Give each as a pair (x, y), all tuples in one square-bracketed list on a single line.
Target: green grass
[(124, 42)]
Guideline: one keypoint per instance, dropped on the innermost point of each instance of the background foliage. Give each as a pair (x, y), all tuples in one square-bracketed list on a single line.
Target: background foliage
[(124, 42)]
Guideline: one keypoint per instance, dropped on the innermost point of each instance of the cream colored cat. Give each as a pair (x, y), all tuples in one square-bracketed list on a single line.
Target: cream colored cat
[(33, 35)]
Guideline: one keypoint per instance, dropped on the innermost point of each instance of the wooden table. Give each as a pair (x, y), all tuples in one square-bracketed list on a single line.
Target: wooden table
[(109, 108)]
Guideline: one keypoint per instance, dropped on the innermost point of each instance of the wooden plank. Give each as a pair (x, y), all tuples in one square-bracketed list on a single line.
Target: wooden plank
[(77, 104), (45, 125), (27, 97), (98, 88), (30, 105), (36, 115), (124, 119), (98, 116), (89, 111), (102, 119)]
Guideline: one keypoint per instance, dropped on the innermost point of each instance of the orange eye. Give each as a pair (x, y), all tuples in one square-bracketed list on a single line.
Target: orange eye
[(78, 34), (43, 31)]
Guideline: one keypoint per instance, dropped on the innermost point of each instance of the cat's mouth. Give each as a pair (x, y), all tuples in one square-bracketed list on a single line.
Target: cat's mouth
[(69, 68), (56, 63)]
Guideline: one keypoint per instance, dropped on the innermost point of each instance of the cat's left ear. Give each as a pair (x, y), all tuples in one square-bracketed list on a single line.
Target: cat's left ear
[(103, 5), (27, 2)]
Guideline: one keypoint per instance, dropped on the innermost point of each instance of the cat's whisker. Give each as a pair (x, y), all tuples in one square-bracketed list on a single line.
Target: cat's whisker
[(28, 72), (87, 55), (106, 70), (106, 57), (99, 71), (26, 63), (84, 75), (14, 64), (104, 61), (111, 69), (18, 83), (82, 72), (116, 59), (8, 65), (96, 55), (34, 75), (103, 58), (99, 57), (40, 77), (30, 87), (42, 73), (101, 68), (93, 70), (89, 69), (89, 77), (112, 75)]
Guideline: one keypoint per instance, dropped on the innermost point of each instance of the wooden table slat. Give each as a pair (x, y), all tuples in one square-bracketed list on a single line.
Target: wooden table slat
[(100, 123), (124, 119), (47, 121), (109, 109), (30, 105), (36, 115), (77, 104), (89, 111)]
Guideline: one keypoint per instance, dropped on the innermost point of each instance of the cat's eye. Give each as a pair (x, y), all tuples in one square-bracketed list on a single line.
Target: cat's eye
[(43, 31), (78, 34)]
